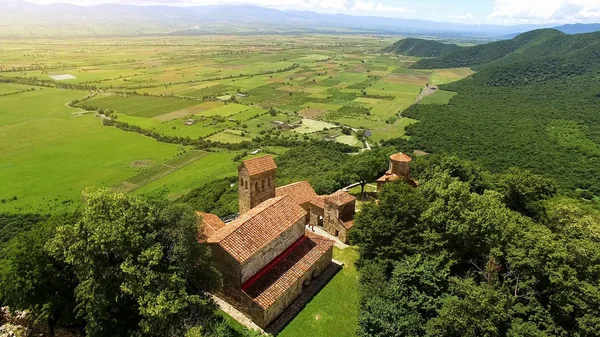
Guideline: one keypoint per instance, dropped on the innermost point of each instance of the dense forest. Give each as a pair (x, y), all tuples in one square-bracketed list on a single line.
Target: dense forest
[(482, 54), (535, 108), (421, 48), (472, 254)]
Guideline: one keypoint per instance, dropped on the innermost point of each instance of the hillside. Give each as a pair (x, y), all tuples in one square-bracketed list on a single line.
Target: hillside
[(535, 107), (485, 53), (421, 48)]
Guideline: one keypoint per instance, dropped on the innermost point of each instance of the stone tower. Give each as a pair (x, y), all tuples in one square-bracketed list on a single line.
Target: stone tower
[(256, 182), (400, 165), (339, 210)]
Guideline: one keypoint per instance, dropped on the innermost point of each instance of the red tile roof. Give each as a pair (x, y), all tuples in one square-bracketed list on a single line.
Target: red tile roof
[(285, 271), (248, 234), (401, 157), (348, 224), (210, 225), (388, 177), (340, 198), (319, 201), (259, 165), (301, 192)]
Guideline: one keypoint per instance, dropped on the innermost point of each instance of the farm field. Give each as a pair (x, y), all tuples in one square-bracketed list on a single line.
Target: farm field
[(48, 154), (162, 98)]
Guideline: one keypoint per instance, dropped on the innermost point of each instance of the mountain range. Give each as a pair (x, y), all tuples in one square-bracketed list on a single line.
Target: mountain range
[(23, 19)]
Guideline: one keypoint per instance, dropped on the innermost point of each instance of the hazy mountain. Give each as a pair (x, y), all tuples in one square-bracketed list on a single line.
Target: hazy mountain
[(579, 28), (26, 19)]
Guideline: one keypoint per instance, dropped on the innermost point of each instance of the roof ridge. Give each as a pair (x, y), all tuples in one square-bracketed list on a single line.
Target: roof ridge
[(231, 229)]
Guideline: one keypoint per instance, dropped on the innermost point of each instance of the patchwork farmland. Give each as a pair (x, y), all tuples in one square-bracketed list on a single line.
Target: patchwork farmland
[(198, 102)]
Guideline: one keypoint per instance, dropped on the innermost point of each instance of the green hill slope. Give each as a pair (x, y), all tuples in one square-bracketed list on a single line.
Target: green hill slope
[(421, 48), (481, 54), (536, 107)]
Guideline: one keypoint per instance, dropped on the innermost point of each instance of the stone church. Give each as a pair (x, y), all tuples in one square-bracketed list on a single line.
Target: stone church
[(267, 255)]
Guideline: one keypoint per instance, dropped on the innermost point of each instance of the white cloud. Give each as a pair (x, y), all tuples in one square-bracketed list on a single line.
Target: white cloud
[(371, 6), (467, 16), (542, 11)]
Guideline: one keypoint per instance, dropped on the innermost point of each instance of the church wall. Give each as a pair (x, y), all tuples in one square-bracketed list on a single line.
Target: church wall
[(272, 250), (229, 267), (294, 291)]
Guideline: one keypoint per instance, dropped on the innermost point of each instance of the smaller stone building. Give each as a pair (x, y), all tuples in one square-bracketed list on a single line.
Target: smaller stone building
[(399, 171), (339, 210)]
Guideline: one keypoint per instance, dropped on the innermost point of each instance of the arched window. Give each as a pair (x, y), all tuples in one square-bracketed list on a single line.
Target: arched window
[(246, 184), (256, 186), (263, 184), (241, 182), (269, 180)]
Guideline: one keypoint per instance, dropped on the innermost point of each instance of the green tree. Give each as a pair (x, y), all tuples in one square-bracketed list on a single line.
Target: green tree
[(367, 167), (32, 280), (524, 191), (140, 269), (475, 311), (390, 229)]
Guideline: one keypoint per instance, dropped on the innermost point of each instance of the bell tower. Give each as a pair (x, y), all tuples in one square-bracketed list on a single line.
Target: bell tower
[(256, 182)]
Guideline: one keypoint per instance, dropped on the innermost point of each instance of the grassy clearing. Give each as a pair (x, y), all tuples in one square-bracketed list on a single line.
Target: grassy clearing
[(439, 97), (48, 154), (349, 140), (443, 76), (311, 125), (158, 171), (334, 310), (214, 166)]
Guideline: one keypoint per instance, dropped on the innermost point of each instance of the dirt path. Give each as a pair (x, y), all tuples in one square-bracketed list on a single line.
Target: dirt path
[(427, 91)]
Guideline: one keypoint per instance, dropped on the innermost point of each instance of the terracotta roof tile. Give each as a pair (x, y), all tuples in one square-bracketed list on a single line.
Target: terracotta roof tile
[(210, 225), (340, 198), (286, 270), (348, 224), (388, 177), (245, 236), (401, 157), (319, 201), (301, 192), (259, 165)]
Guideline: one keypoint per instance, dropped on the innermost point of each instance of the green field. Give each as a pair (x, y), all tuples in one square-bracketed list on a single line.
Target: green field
[(439, 97), (334, 311), (48, 154), (283, 87)]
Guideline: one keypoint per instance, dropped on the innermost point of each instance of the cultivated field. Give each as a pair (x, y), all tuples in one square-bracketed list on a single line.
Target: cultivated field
[(172, 93)]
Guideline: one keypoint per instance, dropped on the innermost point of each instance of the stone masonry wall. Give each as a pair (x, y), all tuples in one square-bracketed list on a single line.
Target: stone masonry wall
[(272, 250), (229, 267), (293, 292), (253, 190)]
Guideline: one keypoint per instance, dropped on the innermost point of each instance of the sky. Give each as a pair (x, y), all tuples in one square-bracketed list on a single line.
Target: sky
[(505, 12)]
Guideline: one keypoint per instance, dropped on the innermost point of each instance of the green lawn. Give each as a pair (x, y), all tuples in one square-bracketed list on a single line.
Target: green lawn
[(48, 154), (213, 166), (334, 311)]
